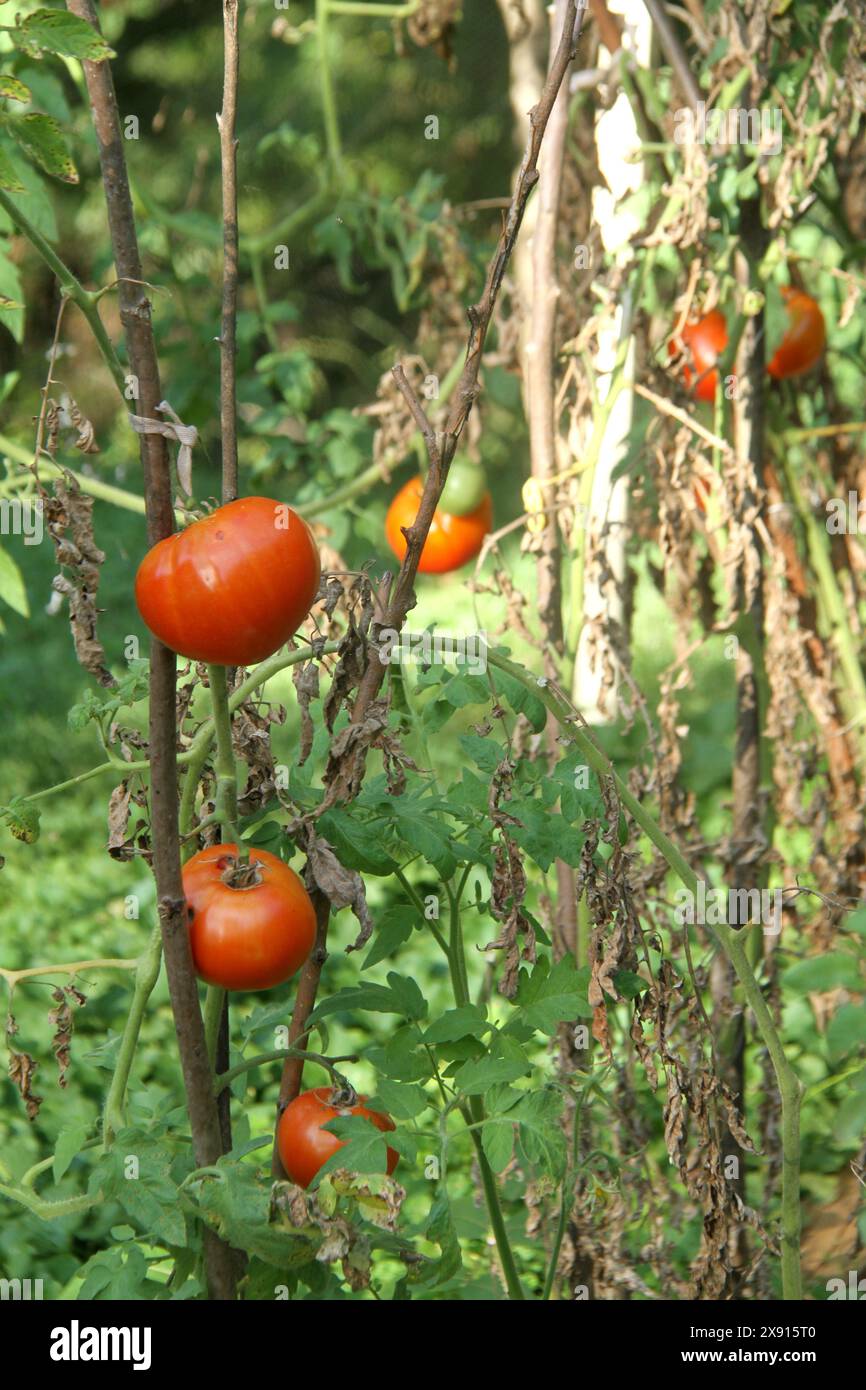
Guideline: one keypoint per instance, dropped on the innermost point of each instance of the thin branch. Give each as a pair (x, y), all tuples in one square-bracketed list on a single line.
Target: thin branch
[(228, 331), (674, 52)]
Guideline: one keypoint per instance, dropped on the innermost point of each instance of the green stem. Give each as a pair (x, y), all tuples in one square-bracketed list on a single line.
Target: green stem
[(195, 757), (475, 1109), (227, 786), (71, 287), (213, 1012), (261, 293), (791, 1092), (14, 978), (146, 976), (326, 88), (566, 1201), (364, 481), (280, 1054), (49, 1211), (94, 487), (731, 942)]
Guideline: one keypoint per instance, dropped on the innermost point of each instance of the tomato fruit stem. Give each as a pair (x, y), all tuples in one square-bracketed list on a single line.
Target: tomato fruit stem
[(227, 785)]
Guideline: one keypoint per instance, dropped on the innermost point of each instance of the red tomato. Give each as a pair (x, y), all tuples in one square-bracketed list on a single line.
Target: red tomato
[(304, 1146), (701, 493), (251, 937), (805, 338), (233, 587), (451, 541), (704, 341)]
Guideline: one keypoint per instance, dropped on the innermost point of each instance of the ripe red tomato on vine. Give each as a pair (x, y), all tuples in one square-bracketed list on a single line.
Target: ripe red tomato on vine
[(234, 586), (250, 927), (454, 538), (703, 341), (805, 339), (304, 1146)]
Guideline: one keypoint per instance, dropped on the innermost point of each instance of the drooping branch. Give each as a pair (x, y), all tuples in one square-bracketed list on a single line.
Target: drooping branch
[(135, 316)]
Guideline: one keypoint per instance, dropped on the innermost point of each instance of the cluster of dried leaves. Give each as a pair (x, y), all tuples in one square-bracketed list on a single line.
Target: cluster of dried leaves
[(23, 1066)]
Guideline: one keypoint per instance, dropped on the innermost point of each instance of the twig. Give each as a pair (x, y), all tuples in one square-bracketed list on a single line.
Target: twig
[(49, 382), (674, 52), (228, 330)]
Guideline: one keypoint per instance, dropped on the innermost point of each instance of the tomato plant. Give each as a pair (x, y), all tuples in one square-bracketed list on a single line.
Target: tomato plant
[(304, 1145), (805, 338), (251, 926), (703, 341), (232, 587), (452, 541)]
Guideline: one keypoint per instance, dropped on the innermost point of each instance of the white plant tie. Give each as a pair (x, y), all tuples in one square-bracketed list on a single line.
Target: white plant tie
[(173, 428)]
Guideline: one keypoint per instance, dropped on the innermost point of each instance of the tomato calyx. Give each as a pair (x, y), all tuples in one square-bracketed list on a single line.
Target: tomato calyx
[(238, 873), (343, 1096)]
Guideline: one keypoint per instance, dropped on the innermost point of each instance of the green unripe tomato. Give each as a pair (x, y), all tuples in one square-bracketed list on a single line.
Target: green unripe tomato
[(464, 489)]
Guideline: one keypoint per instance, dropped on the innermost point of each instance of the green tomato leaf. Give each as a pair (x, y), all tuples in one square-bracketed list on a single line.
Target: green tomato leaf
[(467, 1021), (364, 1148), (476, 1077), (70, 1142), (548, 997), (834, 970), (12, 589), (55, 31), (402, 1102), (497, 1141), (22, 820), (11, 89), (541, 1135), (42, 140)]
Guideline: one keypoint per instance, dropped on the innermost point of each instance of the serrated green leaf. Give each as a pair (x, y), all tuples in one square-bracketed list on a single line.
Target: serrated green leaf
[(545, 998), (12, 589), (33, 202), (42, 140), (364, 1148), (11, 89), (356, 845), (393, 928), (22, 820), (475, 1077), (467, 1021), (412, 1001), (374, 998), (10, 288), (834, 970), (521, 700), (403, 1102), (541, 1136), (628, 984), (497, 1141), (70, 1142), (56, 31), (486, 753), (846, 1030)]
